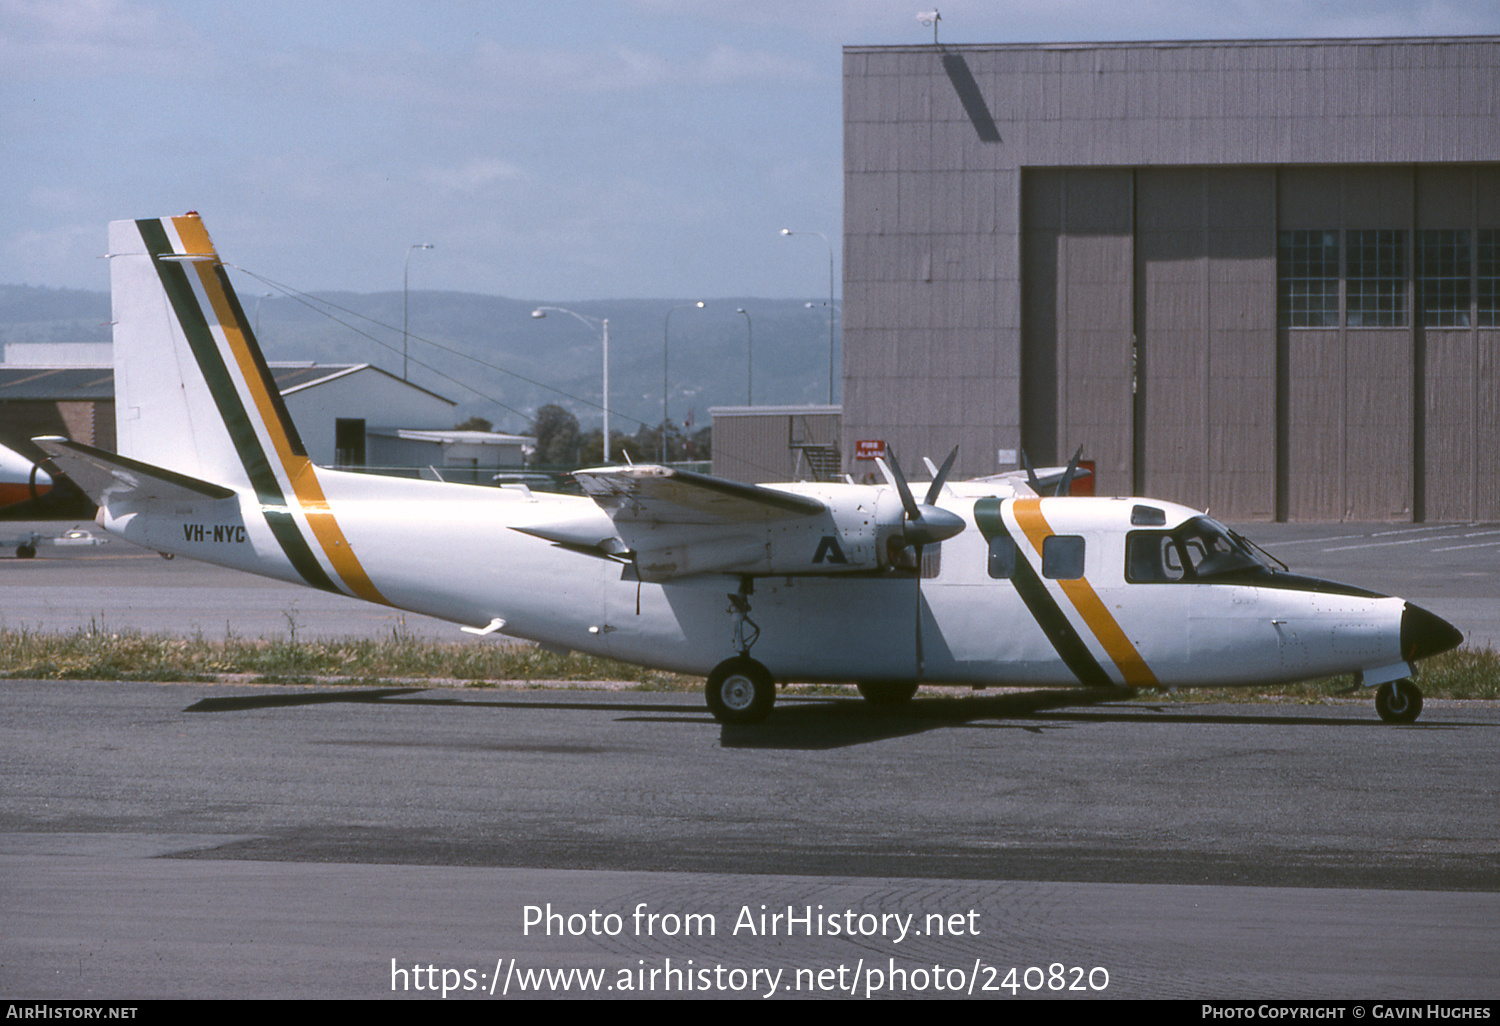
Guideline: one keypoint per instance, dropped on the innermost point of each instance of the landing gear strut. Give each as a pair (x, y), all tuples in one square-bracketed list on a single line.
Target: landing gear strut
[(1398, 702), (741, 690)]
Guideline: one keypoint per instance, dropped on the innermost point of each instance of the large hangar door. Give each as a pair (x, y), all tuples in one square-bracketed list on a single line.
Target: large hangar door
[(1149, 331), (1205, 319), (1076, 321)]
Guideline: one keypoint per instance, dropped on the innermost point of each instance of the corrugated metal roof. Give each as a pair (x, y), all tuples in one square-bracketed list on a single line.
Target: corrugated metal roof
[(97, 384), (57, 384)]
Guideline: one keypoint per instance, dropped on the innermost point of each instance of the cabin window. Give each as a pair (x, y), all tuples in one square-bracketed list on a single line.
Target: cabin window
[(1002, 557), (1062, 557)]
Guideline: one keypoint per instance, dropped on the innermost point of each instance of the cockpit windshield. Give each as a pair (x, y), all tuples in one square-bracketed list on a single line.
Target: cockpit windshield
[(1198, 551)]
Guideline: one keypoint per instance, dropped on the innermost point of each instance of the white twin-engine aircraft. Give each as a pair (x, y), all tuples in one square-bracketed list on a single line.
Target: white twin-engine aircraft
[(984, 583)]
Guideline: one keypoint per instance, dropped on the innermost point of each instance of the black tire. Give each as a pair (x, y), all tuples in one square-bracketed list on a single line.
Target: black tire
[(740, 690), (25, 551), (1398, 702), (887, 693)]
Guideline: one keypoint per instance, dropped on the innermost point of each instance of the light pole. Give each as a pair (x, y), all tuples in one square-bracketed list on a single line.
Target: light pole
[(405, 296), (258, 299), (749, 357), (593, 322), (788, 231), (665, 349)]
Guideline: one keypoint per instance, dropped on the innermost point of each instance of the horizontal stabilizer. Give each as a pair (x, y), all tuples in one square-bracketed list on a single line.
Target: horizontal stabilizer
[(106, 476)]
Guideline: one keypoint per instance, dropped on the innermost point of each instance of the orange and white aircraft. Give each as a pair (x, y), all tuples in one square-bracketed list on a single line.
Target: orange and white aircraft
[(20, 479), (983, 583)]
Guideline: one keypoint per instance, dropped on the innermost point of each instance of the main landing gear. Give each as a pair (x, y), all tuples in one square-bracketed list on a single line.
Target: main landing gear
[(1398, 702), (741, 690)]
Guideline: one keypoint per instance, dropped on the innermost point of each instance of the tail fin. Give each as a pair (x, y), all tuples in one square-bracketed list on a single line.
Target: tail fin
[(194, 398), (192, 390)]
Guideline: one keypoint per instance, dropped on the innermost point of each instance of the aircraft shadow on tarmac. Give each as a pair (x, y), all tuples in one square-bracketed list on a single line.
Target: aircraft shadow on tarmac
[(822, 722)]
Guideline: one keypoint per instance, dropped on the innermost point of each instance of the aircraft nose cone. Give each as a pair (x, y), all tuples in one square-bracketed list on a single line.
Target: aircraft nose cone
[(1426, 634)]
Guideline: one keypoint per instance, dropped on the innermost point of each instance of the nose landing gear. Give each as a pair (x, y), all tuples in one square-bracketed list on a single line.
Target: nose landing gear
[(1399, 702)]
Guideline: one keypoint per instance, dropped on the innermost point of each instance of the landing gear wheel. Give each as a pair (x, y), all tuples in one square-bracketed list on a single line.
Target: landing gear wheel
[(740, 690), (1398, 702), (887, 694), (25, 551)]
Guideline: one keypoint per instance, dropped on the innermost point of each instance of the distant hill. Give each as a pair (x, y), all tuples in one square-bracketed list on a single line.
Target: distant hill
[(29, 313), (559, 355)]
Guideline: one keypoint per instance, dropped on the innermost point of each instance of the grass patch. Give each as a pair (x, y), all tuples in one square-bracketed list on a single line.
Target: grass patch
[(96, 654), (1461, 673)]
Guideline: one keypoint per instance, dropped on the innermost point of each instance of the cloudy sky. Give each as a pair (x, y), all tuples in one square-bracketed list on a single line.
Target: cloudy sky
[(568, 150)]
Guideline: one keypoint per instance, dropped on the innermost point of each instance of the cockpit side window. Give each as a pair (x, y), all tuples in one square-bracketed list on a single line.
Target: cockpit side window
[(1200, 550), (1152, 557)]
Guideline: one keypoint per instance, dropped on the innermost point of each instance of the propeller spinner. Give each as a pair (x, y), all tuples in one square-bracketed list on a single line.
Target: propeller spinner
[(925, 523)]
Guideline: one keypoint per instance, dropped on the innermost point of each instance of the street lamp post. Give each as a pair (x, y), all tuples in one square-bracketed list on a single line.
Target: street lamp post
[(665, 349), (405, 296), (593, 322), (749, 357), (258, 300), (788, 231)]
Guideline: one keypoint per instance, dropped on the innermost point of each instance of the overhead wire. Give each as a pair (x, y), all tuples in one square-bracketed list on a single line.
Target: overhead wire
[(308, 300)]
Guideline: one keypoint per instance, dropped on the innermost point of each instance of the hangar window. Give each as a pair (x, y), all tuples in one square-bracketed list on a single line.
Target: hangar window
[(1062, 557), (1308, 278), (1375, 278), (1488, 266), (1443, 278)]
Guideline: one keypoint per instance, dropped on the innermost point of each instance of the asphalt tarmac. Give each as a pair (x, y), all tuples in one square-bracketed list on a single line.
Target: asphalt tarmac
[(167, 841)]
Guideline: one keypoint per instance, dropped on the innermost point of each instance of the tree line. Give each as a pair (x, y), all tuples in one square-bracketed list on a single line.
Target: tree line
[(562, 445)]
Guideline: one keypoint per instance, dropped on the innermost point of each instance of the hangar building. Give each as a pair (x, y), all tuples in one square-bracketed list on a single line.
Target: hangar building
[(1261, 278)]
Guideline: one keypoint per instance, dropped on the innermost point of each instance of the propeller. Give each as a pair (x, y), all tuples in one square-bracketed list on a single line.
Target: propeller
[(924, 524), (1065, 486)]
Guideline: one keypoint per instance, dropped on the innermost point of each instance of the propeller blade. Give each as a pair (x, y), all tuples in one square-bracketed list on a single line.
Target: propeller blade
[(941, 477), (1066, 484), (903, 489), (1030, 474)]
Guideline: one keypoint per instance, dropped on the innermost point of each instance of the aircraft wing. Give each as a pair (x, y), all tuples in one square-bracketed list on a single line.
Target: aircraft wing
[(674, 523), (105, 475), (663, 495)]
